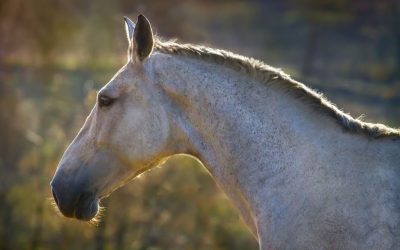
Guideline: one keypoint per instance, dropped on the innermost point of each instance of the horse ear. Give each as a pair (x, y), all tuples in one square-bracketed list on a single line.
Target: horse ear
[(129, 28), (143, 38)]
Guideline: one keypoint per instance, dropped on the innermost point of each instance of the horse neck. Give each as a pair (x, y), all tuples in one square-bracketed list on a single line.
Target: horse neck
[(249, 135)]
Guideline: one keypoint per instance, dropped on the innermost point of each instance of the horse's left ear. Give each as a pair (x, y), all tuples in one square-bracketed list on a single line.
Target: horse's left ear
[(140, 36), (143, 36)]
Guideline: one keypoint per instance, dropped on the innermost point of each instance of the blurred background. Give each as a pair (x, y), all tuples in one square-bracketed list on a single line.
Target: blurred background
[(55, 54)]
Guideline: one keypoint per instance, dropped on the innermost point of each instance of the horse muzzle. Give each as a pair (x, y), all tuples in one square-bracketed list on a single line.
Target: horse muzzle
[(73, 200)]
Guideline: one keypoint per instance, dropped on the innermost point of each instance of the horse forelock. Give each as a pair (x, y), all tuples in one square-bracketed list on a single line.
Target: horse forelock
[(267, 74)]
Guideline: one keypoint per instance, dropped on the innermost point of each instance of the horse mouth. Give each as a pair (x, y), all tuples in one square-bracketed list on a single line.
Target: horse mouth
[(86, 207)]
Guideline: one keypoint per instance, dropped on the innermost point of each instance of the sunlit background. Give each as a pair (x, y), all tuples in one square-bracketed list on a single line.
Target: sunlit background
[(55, 54)]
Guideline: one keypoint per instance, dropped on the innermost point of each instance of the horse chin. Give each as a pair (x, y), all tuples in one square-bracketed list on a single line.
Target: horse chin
[(86, 208)]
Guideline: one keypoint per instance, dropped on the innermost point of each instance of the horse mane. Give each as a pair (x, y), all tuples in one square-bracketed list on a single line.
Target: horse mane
[(268, 75)]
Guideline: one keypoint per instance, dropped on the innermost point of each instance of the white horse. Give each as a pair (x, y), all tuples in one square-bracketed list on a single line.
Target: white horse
[(303, 174)]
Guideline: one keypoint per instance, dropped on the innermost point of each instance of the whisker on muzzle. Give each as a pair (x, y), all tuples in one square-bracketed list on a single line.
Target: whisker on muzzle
[(97, 219)]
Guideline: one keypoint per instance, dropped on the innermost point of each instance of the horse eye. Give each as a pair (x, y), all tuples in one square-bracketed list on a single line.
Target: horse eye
[(105, 101)]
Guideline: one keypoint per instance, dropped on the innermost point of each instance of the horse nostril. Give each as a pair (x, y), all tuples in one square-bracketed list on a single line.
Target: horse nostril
[(54, 196)]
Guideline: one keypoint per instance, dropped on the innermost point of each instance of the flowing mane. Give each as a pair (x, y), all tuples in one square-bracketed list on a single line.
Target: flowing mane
[(268, 74)]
